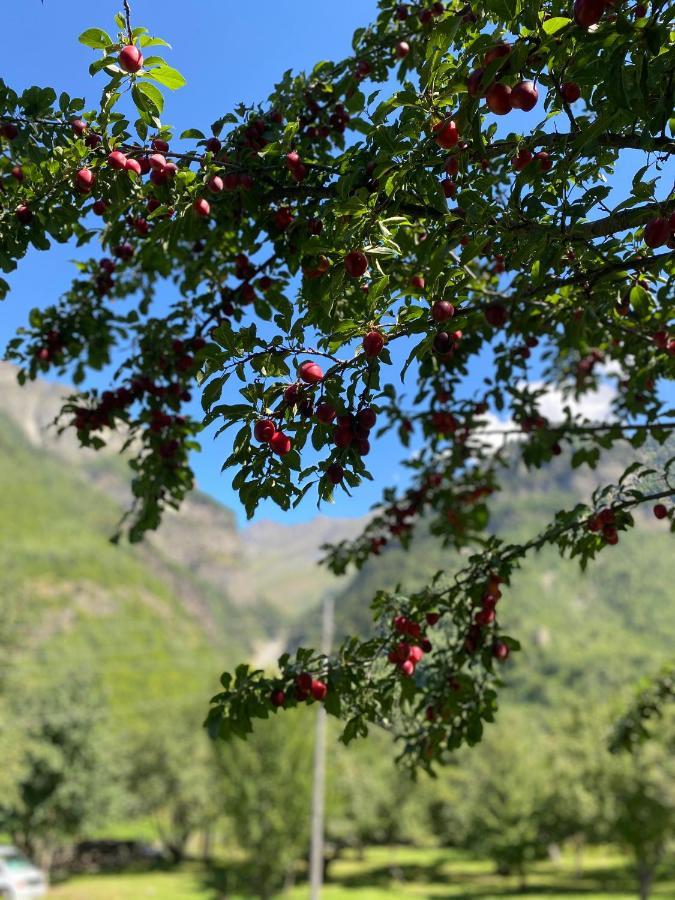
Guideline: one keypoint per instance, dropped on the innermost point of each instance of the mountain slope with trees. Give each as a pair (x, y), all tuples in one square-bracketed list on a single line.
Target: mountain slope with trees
[(584, 633), (77, 596), (70, 598), (108, 651)]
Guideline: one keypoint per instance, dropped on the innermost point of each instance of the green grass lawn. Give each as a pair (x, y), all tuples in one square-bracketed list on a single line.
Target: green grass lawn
[(391, 872)]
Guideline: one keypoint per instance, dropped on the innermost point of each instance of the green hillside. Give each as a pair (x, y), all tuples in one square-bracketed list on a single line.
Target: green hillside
[(108, 655), (69, 598), (160, 621), (582, 633), (243, 583)]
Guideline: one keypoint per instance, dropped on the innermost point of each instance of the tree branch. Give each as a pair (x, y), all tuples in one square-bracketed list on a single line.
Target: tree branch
[(127, 13), (560, 428), (623, 220), (592, 276), (548, 536), (609, 140)]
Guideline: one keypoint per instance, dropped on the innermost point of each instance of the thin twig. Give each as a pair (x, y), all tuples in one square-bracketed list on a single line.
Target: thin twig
[(127, 13)]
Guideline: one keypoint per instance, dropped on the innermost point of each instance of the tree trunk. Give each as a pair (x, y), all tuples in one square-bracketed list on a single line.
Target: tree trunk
[(645, 878), (176, 850), (23, 839), (522, 878), (578, 856), (206, 844)]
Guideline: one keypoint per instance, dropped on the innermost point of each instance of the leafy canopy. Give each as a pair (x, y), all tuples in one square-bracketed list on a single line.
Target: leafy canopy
[(444, 190)]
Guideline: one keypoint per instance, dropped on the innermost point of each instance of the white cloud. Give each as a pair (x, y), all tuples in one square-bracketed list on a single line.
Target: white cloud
[(596, 406), (491, 433), (593, 406)]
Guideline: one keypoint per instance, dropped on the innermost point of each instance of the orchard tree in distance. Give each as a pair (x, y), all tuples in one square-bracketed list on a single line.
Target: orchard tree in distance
[(441, 195)]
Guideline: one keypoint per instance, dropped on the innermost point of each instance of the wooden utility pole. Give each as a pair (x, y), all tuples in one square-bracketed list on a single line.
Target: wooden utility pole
[(319, 780)]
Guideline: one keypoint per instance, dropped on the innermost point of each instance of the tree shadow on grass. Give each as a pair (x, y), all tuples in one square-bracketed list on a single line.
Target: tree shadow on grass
[(220, 881), (138, 867), (224, 880), (472, 885)]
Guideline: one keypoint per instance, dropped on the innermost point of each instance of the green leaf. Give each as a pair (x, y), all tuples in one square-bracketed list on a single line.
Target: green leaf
[(332, 704), (107, 61), (193, 133), (148, 98), (506, 10), (147, 41), (141, 129), (510, 642), (96, 38), (554, 25), (355, 102), (377, 289), (166, 75), (474, 731), (640, 300), (350, 731)]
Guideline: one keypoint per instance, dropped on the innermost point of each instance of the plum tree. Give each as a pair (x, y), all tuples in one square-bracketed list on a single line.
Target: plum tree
[(300, 280)]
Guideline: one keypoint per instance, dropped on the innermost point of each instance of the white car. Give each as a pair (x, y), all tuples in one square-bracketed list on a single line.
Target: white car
[(19, 878)]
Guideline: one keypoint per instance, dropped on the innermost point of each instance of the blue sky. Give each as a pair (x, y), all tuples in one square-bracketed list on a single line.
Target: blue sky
[(229, 52)]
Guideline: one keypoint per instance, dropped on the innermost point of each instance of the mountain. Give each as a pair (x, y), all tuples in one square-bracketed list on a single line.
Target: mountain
[(288, 557), (201, 594), (68, 598), (240, 586), (265, 573)]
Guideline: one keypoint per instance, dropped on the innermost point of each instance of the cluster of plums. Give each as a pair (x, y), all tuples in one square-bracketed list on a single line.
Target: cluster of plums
[(243, 294), (500, 97), (604, 524), (305, 687), (52, 346), (587, 364), (161, 425), (424, 12), (351, 430), (318, 122), (405, 654), (483, 618), (112, 405)]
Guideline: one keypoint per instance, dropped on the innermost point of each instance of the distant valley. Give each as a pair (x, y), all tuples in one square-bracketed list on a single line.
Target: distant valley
[(158, 622)]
